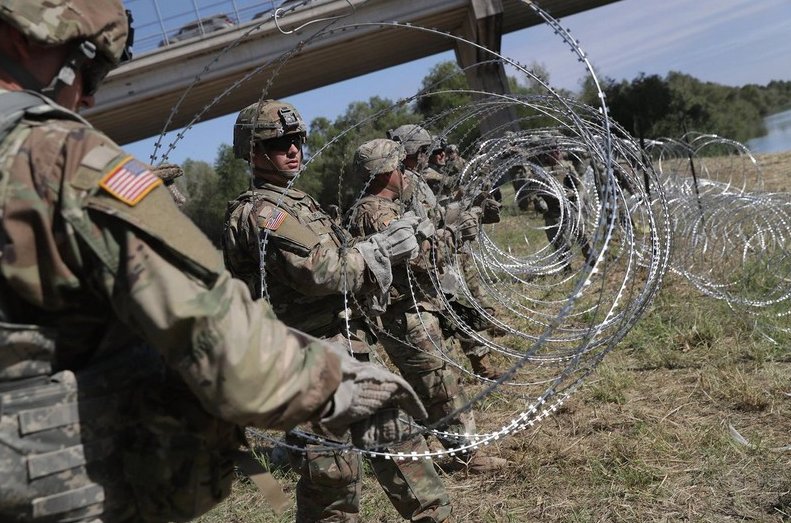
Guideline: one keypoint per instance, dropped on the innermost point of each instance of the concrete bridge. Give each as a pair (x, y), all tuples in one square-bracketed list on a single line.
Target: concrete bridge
[(137, 98)]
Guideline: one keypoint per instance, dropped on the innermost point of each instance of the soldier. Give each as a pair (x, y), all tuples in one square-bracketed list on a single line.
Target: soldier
[(423, 202), (434, 173), (128, 355), (411, 333), (309, 264), (454, 163), (557, 196)]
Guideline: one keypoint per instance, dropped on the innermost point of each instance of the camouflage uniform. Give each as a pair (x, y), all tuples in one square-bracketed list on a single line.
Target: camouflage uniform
[(307, 270), (415, 341), (425, 201), (127, 352), (561, 228), (105, 276)]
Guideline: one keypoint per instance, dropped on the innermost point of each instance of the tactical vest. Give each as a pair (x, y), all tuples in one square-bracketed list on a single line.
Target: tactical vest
[(122, 439), (307, 226)]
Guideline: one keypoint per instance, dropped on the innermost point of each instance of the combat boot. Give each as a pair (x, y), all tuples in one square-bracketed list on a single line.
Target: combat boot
[(475, 463), (483, 366), (480, 463)]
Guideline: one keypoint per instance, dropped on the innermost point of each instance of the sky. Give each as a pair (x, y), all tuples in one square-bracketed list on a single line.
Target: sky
[(731, 42)]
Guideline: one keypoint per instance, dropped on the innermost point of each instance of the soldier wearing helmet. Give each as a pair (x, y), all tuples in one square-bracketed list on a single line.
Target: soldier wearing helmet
[(412, 318), (557, 195), (309, 264), (464, 225), (121, 332)]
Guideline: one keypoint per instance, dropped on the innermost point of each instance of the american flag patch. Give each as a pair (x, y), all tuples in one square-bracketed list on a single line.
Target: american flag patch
[(129, 181), (275, 220)]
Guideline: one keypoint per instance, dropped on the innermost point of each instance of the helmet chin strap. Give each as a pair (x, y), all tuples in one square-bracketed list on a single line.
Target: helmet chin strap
[(68, 72), (287, 174)]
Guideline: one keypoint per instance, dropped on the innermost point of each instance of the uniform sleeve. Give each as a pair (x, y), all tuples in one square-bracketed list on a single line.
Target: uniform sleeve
[(240, 361), (166, 282)]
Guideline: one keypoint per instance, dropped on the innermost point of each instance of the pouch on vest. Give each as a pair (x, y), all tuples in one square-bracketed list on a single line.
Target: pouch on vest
[(61, 434)]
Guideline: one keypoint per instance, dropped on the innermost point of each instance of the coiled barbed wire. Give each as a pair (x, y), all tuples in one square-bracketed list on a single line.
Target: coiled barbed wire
[(560, 311), (731, 238)]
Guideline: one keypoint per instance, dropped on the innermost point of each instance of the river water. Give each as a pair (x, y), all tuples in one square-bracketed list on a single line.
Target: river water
[(778, 137)]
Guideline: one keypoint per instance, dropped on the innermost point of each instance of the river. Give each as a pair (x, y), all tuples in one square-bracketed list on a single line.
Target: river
[(778, 137)]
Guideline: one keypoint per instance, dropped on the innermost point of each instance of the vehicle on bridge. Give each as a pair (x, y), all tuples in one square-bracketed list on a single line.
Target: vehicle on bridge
[(200, 27)]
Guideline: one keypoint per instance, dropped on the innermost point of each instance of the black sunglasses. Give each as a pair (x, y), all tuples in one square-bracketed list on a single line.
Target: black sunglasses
[(93, 74), (284, 143)]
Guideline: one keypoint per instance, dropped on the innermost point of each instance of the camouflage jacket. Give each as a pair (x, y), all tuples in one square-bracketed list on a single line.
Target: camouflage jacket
[(307, 263), (107, 266), (434, 178), (371, 214)]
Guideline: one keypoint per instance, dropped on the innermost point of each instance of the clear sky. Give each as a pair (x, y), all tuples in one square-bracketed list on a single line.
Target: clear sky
[(732, 42)]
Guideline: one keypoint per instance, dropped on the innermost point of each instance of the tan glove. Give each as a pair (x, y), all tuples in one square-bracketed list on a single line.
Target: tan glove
[(168, 172), (367, 402), (468, 224)]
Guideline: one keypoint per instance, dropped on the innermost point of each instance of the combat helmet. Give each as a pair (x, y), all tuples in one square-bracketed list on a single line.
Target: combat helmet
[(411, 136), (380, 155), (264, 121), (101, 26)]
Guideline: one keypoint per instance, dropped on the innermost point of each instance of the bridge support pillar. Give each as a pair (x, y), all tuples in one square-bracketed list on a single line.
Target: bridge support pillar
[(483, 26)]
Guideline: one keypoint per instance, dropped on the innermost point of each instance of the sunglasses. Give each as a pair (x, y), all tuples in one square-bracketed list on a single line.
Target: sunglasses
[(93, 74), (284, 143)]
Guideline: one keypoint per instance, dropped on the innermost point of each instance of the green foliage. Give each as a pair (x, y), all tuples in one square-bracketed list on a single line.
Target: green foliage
[(208, 189), (656, 107)]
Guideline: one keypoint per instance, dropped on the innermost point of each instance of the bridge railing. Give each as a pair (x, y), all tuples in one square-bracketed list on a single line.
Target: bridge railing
[(161, 23)]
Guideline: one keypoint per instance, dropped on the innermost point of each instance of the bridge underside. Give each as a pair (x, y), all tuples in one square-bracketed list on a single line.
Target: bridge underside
[(137, 99)]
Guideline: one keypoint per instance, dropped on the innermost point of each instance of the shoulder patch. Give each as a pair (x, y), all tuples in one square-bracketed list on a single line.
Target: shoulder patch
[(130, 181), (271, 218)]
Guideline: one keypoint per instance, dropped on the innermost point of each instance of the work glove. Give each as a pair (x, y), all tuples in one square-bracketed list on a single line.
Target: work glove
[(168, 172), (467, 226), (398, 240), (391, 246), (367, 403), (490, 211), (541, 205)]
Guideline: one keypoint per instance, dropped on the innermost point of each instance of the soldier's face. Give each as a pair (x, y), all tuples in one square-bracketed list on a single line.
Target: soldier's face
[(280, 154), (438, 157)]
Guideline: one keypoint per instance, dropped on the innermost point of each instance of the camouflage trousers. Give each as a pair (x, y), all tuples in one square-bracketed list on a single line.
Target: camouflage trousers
[(562, 235), (330, 485), (434, 381), (466, 312)]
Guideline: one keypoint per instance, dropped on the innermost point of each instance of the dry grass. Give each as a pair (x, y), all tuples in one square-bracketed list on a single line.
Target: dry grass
[(646, 439)]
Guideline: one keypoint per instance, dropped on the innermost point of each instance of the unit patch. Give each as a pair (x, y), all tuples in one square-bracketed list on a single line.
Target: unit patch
[(129, 181)]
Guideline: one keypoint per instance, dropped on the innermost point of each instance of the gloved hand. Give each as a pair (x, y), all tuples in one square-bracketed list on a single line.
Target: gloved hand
[(367, 402), (541, 205), (168, 172), (425, 229), (468, 224), (398, 240), (490, 211)]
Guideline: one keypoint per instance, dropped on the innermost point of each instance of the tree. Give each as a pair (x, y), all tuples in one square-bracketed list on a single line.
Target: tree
[(331, 146), (208, 189)]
